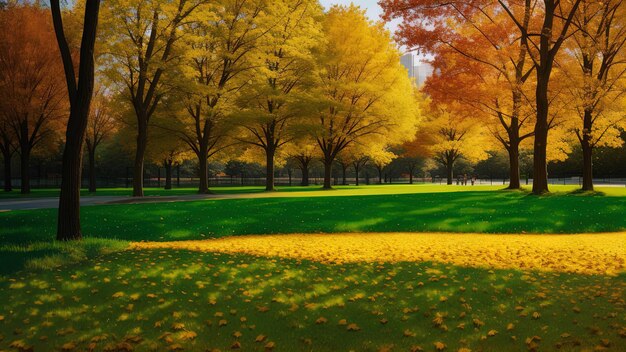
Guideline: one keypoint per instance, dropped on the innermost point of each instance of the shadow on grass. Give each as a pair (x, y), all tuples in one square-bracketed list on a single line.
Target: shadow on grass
[(158, 299)]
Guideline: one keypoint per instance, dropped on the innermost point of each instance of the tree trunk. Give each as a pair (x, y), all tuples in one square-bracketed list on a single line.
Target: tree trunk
[(203, 160), (380, 175), (68, 225), (142, 142), (8, 187), (587, 148), (514, 176), (411, 171), (344, 172), (540, 165), (305, 175), (449, 172), (25, 170), (168, 174), (328, 169), (269, 169), (356, 171), (92, 169)]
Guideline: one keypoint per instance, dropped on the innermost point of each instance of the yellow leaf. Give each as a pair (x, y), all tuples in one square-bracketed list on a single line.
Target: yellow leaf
[(237, 334), (321, 320), (510, 326), (353, 327), (492, 333), (178, 326), (118, 294), (222, 322), (270, 345), (343, 322), (440, 346), (536, 315), (408, 333), (260, 338), (187, 335), (68, 346), (236, 345)]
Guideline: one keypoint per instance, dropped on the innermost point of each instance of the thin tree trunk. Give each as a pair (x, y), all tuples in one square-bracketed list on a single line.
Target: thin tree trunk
[(25, 170), (411, 170), (269, 172), (168, 174), (344, 172), (140, 152), (380, 175), (540, 165), (449, 172), (8, 187), (587, 147), (92, 169)]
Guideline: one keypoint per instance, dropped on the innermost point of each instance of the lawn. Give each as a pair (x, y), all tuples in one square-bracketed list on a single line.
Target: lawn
[(153, 300), (146, 278)]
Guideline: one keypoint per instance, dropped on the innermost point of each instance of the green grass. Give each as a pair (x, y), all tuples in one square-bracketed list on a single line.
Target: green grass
[(149, 299), (308, 210)]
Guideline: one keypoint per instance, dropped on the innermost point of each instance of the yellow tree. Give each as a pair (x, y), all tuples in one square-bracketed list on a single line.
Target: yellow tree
[(141, 39), (217, 65), (363, 89), (303, 151), (598, 78), (273, 101), (450, 135)]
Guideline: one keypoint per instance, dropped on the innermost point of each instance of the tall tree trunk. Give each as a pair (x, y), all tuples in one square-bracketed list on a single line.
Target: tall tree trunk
[(168, 174), (344, 173), (269, 169), (380, 175), (25, 170), (92, 168), (411, 171), (514, 176), (140, 152), (328, 169), (80, 99), (356, 171), (8, 187), (587, 147), (540, 164)]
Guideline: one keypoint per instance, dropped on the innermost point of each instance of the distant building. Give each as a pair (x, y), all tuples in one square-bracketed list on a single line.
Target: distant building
[(417, 72)]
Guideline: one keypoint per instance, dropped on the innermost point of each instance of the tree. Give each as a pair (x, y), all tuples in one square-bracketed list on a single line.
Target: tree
[(599, 79), (80, 90), (165, 149), (303, 151), (101, 124), (142, 37), (217, 66), (32, 99), (273, 100), (540, 28), (450, 136), (364, 92)]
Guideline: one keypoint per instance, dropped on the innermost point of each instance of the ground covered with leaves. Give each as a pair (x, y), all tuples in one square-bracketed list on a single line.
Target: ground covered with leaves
[(323, 272), (166, 299)]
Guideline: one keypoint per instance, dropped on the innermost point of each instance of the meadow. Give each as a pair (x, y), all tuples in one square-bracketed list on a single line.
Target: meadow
[(372, 268)]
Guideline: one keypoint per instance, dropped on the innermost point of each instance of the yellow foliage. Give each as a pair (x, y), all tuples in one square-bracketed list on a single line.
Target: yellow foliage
[(580, 253)]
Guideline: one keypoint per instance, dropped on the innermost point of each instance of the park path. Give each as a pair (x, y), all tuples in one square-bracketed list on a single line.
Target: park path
[(600, 253)]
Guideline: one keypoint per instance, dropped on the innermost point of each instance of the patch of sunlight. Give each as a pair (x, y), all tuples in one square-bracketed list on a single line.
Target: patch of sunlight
[(74, 285), (581, 253), (358, 225), (333, 301)]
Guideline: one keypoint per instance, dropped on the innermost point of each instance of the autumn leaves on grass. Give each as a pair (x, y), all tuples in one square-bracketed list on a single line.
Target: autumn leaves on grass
[(581, 253)]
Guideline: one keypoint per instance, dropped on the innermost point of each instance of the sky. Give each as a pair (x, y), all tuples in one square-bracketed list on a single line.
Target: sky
[(371, 6)]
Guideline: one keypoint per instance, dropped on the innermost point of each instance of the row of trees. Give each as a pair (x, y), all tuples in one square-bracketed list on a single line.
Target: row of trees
[(524, 69), (271, 81)]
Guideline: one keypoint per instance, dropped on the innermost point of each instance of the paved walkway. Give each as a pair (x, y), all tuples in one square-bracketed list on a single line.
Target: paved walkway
[(53, 202)]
